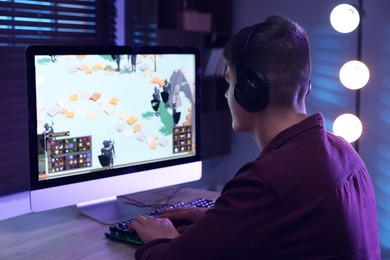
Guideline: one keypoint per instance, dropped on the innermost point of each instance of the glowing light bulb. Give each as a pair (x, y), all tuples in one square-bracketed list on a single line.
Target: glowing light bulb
[(354, 74), (344, 18), (348, 126)]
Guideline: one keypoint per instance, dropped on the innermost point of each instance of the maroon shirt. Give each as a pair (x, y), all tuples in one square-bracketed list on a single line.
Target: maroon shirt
[(307, 196)]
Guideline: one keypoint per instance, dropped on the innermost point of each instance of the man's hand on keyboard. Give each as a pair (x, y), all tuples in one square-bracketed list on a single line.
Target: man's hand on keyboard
[(186, 215), (149, 228)]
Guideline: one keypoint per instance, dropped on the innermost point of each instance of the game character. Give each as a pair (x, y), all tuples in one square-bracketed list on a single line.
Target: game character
[(117, 59), (155, 102), (166, 93), (48, 129), (176, 102), (108, 153), (176, 115), (53, 58), (133, 58)]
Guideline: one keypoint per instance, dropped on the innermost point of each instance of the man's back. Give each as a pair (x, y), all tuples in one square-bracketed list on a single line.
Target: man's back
[(326, 199)]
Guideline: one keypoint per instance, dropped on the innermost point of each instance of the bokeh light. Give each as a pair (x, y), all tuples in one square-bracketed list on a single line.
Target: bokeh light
[(354, 74), (344, 18), (348, 126)]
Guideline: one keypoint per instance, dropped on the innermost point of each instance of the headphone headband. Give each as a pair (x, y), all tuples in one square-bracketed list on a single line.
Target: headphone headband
[(251, 91), (242, 43)]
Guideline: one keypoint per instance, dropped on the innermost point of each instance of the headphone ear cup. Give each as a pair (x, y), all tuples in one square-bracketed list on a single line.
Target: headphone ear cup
[(252, 93)]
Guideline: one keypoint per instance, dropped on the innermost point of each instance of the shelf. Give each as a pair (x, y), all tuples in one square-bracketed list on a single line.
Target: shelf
[(213, 94), (220, 10)]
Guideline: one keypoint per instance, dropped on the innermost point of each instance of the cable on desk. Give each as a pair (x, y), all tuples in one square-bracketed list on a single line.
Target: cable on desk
[(140, 204)]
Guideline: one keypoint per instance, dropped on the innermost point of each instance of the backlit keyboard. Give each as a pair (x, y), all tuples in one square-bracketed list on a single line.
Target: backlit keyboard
[(119, 232)]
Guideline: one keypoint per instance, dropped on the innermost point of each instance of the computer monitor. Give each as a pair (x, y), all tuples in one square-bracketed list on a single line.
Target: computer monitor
[(109, 121)]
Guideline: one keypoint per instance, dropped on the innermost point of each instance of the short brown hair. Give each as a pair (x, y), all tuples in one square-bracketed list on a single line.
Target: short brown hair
[(279, 49)]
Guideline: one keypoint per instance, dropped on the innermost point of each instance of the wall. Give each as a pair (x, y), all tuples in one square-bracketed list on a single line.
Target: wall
[(330, 50), (375, 144)]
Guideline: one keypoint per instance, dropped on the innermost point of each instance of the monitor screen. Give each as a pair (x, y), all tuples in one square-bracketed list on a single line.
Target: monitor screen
[(124, 118)]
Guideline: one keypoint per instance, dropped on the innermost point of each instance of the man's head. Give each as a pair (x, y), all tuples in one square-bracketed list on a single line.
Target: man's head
[(277, 51)]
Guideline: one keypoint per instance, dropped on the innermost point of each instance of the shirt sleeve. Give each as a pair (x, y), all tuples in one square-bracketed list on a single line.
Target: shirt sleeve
[(244, 222)]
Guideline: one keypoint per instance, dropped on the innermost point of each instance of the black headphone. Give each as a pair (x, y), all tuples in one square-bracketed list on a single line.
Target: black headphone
[(252, 89)]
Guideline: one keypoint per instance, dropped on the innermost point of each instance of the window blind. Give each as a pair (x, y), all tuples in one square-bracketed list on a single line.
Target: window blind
[(77, 22)]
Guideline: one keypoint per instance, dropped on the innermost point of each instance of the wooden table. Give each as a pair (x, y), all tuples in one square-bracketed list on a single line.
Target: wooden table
[(64, 233)]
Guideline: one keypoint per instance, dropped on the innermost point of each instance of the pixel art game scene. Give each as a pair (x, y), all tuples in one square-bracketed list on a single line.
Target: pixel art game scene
[(108, 111)]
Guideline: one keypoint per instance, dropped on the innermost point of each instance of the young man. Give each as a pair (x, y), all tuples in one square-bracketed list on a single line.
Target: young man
[(307, 196)]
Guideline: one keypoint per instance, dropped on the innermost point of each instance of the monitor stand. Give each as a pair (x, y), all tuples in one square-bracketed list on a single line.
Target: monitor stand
[(111, 211)]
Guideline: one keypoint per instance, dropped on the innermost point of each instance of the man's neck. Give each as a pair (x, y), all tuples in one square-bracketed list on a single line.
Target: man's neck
[(271, 123)]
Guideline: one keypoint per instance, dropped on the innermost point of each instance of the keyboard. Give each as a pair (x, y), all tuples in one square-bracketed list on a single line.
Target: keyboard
[(119, 232)]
